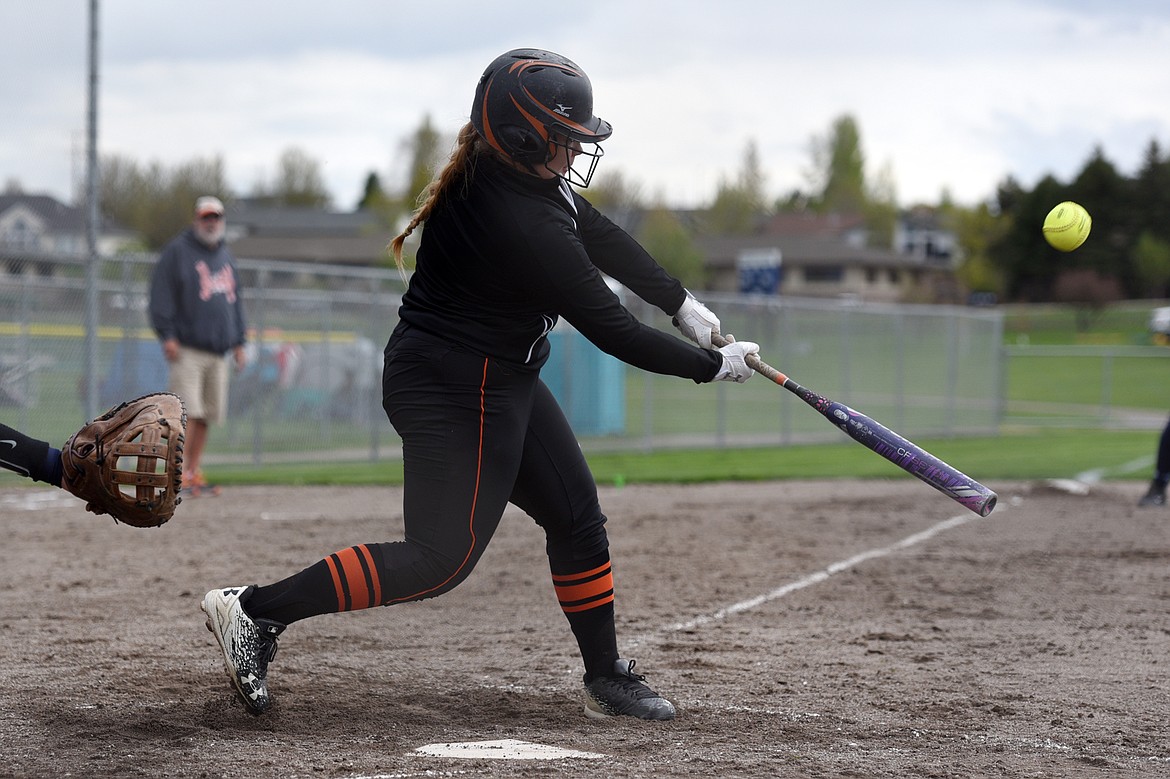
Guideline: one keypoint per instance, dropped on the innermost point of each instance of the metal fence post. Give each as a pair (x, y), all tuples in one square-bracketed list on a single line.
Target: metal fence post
[(258, 405)]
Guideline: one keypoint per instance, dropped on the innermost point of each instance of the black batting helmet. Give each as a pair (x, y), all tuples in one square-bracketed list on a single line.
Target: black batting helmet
[(525, 95)]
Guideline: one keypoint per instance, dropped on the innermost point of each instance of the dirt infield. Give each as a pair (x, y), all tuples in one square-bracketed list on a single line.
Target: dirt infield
[(811, 629)]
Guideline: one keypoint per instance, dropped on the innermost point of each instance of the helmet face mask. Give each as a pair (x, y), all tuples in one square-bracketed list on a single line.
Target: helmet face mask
[(578, 171), (529, 102)]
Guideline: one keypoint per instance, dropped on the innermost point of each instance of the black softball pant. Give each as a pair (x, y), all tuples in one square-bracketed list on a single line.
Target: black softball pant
[(476, 435)]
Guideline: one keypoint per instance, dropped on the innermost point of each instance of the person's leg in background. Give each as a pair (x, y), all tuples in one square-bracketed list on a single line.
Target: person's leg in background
[(1156, 494)]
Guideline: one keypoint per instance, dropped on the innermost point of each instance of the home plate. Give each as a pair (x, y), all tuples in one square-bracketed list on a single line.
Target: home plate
[(504, 749), (1069, 486)]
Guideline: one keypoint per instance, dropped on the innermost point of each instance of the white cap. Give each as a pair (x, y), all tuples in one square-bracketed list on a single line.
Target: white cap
[(208, 205)]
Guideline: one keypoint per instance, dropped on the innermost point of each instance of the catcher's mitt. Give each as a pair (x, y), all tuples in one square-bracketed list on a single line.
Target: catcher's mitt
[(129, 461)]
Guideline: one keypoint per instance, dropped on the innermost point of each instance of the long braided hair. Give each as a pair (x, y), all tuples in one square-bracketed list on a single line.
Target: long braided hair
[(456, 172)]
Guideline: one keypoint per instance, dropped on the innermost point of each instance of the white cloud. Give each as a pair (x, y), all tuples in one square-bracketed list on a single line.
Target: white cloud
[(949, 96)]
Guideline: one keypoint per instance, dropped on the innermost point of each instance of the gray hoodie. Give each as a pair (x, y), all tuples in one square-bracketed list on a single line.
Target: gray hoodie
[(194, 296)]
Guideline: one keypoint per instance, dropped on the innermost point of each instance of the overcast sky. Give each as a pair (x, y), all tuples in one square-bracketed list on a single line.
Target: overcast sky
[(948, 95)]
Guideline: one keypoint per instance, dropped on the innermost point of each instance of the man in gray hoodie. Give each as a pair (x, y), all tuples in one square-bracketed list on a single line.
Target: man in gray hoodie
[(197, 313)]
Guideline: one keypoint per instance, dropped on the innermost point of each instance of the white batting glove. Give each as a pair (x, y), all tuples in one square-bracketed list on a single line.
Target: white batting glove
[(735, 367), (696, 321)]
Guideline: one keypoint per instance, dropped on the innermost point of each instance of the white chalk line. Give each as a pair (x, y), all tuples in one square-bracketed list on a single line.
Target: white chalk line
[(822, 575), (1141, 464)]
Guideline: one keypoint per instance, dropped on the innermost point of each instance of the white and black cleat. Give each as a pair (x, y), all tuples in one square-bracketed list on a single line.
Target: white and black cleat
[(248, 644)]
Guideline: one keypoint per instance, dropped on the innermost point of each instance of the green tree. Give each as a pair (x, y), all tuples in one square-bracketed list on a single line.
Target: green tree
[(976, 229), (386, 209), (880, 209), (298, 182), (1026, 261), (669, 242), (612, 193), (156, 201), (423, 149), (1152, 192), (740, 204), (838, 172), (1109, 198), (373, 196), (1151, 258)]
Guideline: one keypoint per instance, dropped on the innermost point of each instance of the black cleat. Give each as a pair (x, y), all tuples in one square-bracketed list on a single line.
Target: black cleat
[(624, 693), (1155, 496)]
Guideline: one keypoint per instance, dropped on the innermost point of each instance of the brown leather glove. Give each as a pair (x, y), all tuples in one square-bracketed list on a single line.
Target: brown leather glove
[(128, 462)]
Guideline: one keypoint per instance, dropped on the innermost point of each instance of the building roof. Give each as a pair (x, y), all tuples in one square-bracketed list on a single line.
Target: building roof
[(287, 221), (58, 217), (724, 251), (365, 250), (809, 224)]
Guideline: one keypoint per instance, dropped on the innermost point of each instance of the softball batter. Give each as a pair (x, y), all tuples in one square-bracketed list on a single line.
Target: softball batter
[(507, 248)]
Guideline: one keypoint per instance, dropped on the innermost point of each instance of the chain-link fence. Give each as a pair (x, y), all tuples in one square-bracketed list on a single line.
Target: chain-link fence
[(312, 385)]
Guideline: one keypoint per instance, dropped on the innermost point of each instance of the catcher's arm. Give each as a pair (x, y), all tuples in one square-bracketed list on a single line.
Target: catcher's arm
[(128, 462)]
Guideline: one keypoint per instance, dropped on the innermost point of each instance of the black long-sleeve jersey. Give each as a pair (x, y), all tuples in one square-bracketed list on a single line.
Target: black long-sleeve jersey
[(504, 256)]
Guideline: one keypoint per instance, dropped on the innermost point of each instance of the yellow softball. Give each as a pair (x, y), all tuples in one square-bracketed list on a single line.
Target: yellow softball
[(1067, 226)]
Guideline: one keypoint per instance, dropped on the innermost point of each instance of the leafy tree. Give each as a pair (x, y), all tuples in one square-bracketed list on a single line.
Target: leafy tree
[(386, 209), (298, 182), (156, 201), (425, 154), (838, 173), (612, 193), (1130, 228), (373, 196), (796, 201), (880, 208), (669, 242), (739, 205), (976, 229), (1151, 258), (1108, 197), (1028, 264), (1152, 192)]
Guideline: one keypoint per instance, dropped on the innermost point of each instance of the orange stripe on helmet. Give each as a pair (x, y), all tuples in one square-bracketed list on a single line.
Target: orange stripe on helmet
[(537, 124), (489, 134), (526, 64)]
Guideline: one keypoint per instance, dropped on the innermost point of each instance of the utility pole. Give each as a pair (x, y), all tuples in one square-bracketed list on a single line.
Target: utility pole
[(91, 225)]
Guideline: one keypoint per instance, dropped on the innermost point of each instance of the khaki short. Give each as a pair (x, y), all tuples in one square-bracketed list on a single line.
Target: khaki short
[(201, 380)]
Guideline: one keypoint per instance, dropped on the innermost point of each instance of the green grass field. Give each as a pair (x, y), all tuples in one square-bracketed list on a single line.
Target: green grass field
[(1023, 450), (1011, 456), (1045, 399)]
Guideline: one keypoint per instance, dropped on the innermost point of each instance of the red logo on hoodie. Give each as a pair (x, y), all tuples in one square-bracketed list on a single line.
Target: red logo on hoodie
[(222, 282)]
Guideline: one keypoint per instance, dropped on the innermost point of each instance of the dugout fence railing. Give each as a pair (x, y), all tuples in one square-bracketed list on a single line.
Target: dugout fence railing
[(312, 386)]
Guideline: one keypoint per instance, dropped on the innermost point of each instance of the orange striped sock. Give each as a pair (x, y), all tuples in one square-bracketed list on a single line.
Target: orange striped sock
[(585, 590), (355, 578)]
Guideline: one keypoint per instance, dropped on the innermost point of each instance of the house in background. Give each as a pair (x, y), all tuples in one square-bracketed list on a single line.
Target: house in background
[(919, 233), (309, 235), (798, 254), (810, 255), (32, 225)]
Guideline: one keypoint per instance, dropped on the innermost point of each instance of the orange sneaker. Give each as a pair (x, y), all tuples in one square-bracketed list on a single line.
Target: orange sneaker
[(195, 485)]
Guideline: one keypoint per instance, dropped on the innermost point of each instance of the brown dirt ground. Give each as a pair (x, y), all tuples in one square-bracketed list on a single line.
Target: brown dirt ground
[(1032, 643)]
